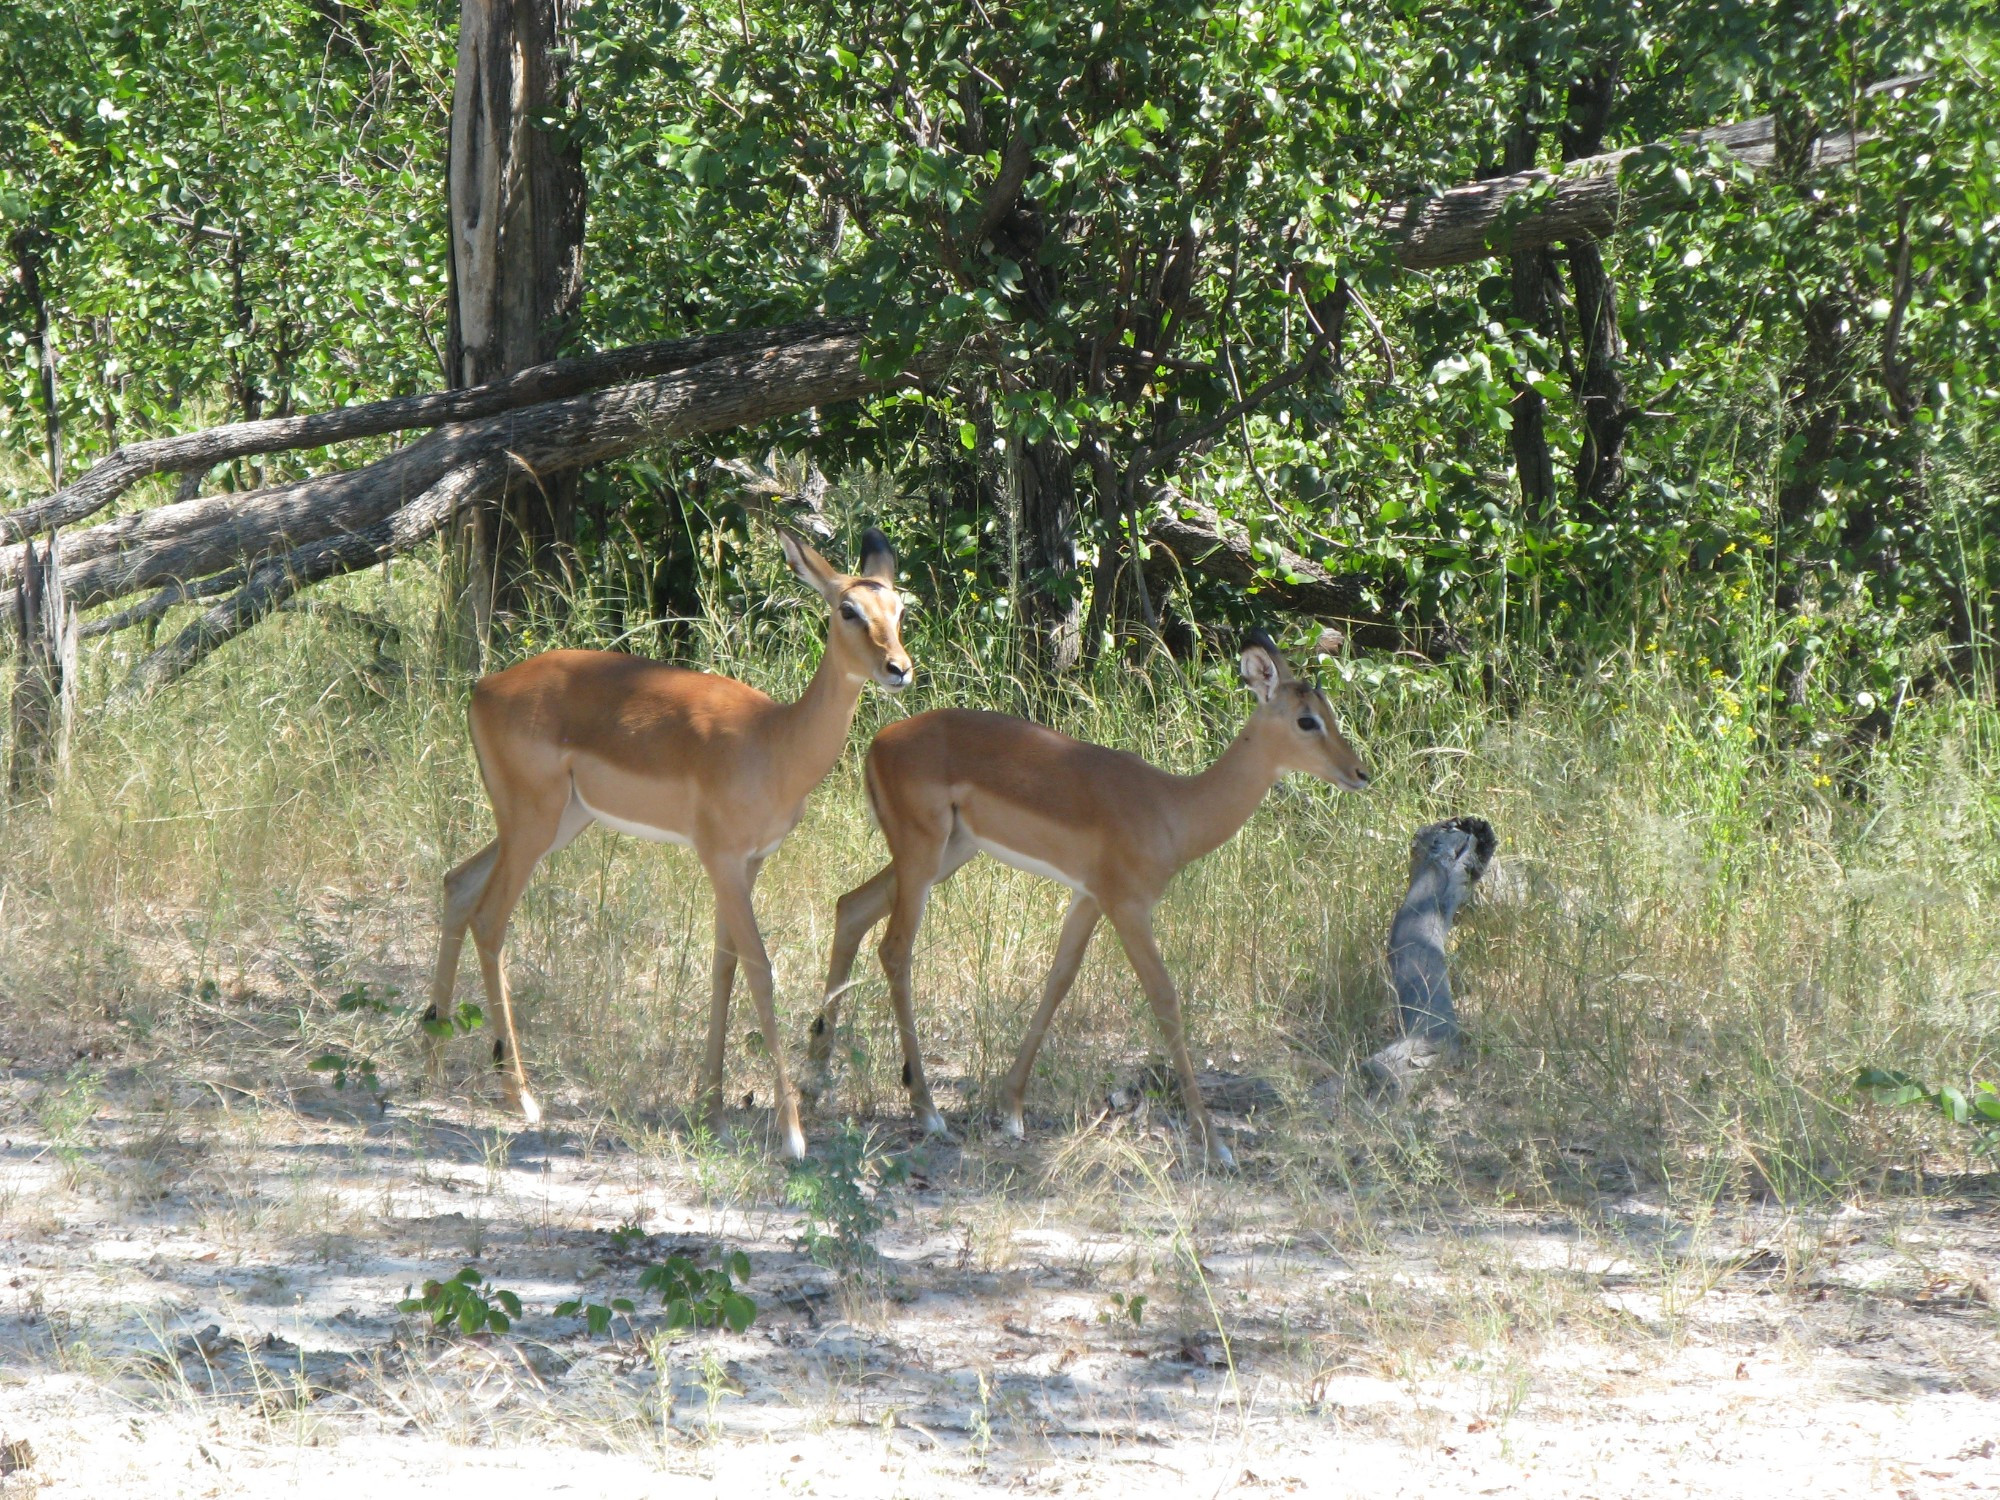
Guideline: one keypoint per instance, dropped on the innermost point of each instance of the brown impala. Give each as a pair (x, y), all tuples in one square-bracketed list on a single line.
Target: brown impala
[(949, 784), (572, 738)]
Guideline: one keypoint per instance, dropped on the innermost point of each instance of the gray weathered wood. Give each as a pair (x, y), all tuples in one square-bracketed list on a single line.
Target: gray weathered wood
[(197, 452), (1587, 200), (177, 543), (1446, 860), (1194, 536), (43, 703)]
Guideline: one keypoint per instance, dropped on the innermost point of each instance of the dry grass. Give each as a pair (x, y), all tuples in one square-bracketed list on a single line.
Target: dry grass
[(1652, 1174)]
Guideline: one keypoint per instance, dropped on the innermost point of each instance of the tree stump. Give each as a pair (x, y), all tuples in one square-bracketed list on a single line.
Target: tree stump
[(1446, 860)]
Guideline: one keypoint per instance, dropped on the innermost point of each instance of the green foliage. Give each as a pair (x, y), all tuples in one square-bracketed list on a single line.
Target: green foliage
[(693, 1295), (1126, 1308), (1978, 1110), (841, 1195), (467, 1301), (343, 1068)]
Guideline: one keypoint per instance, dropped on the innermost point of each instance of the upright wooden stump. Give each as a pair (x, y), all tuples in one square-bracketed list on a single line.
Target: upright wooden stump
[(44, 699)]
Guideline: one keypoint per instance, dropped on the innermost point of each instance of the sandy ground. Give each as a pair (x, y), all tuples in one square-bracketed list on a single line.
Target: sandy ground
[(198, 1289)]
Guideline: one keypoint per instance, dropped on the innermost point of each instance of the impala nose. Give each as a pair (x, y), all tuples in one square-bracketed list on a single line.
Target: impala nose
[(897, 674)]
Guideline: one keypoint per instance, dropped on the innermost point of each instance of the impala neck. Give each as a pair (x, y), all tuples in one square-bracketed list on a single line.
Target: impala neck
[(814, 729), (1217, 802)]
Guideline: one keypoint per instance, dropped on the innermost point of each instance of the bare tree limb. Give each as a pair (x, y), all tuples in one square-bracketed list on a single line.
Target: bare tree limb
[(1586, 201), (173, 544), (271, 582), (1196, 538), (111, 476)]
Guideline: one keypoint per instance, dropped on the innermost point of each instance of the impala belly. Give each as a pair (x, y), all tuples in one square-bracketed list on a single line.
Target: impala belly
[(626, 825), (1026, 862)]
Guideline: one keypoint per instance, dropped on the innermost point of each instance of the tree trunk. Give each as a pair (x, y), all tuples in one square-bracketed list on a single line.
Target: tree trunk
[(44, 698), (1530, 271), (1049, 590), (1471, 222), (1600, 385), (28, 261), (516, 279)]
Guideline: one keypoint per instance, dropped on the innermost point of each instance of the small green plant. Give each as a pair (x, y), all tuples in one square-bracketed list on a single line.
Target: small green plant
[(596, 1316), (628, 1237), (463, 1021), (842, 1198), (694, 1296), (1977, 1109), (467, 1299), (344, 1069), (359, 999), (1132, 1309)]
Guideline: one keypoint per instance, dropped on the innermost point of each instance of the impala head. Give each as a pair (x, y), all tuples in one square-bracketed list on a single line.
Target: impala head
[(1296, 719), (865, 635)]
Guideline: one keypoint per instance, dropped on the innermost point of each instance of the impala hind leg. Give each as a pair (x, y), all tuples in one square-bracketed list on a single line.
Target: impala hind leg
[(523, 844), (941, 858), (734, 881), (1134, 925), (1079, 924), (853, 919), (462, 889)]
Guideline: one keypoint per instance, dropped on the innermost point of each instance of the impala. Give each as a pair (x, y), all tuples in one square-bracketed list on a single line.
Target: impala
[(952, 783), (572, 738)]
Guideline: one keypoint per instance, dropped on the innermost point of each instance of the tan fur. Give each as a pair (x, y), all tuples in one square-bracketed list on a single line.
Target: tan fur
[(570, 737), (946, 784)]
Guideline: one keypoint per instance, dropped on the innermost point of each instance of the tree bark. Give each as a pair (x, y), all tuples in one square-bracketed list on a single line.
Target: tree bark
[(175, 543), (1530, 270), (516, 276), (1600, 384), (28, 261), (196, 452), (1188, 535), (43, 703), (1045, 521), (1587, 201)]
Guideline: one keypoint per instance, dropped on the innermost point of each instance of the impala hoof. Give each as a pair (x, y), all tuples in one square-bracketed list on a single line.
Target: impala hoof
[(1015, 1127), (531, 1112), (795, 1143), (934, 1125), (1224, 1157)]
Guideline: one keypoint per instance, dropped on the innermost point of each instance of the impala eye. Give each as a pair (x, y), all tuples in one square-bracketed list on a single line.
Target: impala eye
[(849, 612), (1309, 724)]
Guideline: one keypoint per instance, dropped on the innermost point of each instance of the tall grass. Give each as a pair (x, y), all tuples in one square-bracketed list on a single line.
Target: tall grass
[(1699, 937)]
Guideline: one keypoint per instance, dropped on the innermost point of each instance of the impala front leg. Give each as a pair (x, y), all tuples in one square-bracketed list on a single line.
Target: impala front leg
[(1077, 928), (1135, 930), (733, 881)]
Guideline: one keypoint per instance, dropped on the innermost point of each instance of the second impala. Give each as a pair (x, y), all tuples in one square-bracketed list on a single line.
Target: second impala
[(949, 784)]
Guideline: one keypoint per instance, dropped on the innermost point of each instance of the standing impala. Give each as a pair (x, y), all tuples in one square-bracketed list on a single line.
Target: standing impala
[(575, 737), (948, 784)]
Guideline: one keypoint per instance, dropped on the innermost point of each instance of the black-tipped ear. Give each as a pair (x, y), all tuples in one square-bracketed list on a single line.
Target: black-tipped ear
[(878, 558), (1263, 667)]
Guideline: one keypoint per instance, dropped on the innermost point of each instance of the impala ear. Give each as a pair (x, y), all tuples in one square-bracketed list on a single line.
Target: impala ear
[(1263, 667), (813, 570), (878, 558)]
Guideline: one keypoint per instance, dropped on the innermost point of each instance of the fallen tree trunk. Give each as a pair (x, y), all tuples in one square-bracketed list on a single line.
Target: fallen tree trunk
[(173, 544), (1587, 200), (271, 582), (1195, 538), (197, 452)]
